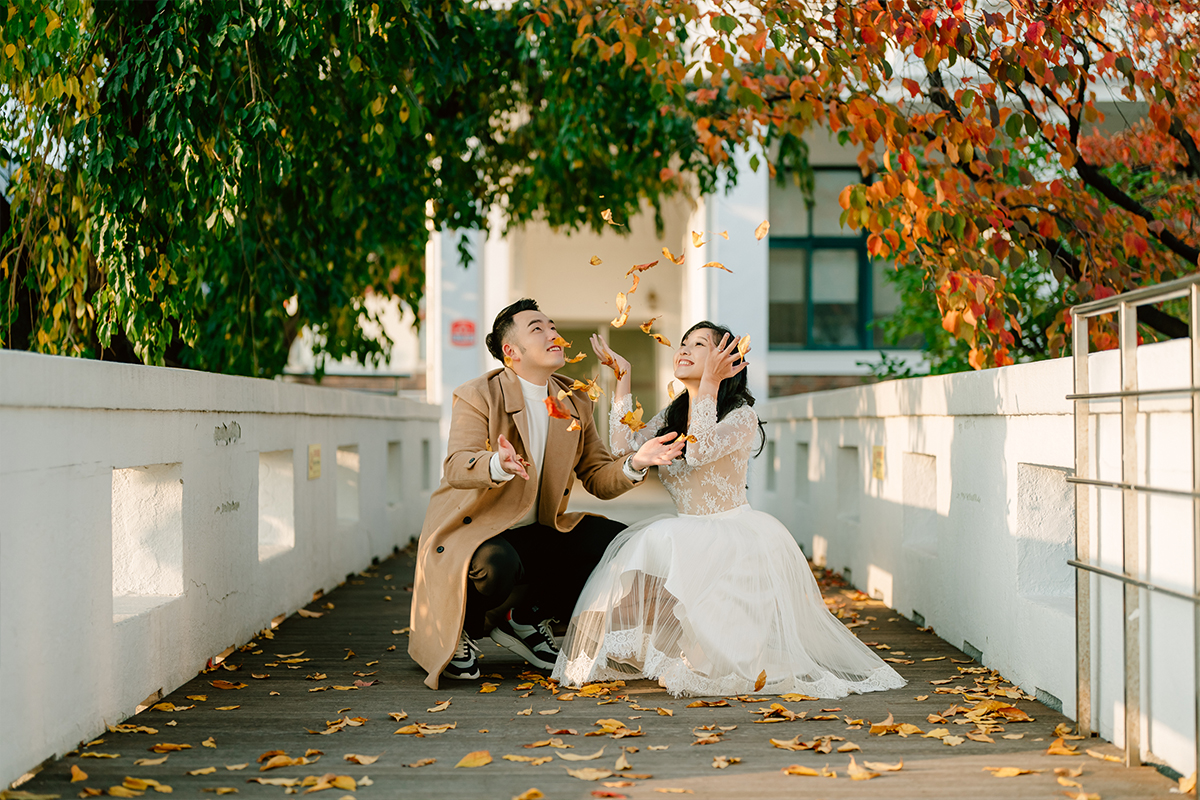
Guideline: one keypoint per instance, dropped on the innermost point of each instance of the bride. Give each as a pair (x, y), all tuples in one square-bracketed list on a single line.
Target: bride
[(708, 600)]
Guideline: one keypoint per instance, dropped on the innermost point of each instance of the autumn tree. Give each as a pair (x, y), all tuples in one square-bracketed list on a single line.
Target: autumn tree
[(195, 183), (940, 99)]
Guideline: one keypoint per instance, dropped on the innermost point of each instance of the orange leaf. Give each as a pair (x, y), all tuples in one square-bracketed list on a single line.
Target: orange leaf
[(77, 774), (640, 268), (718, 265), (556, 411), (761, 231), (577, 358), (623, 309), (574, 426), (645, 326), (697, 238), (478, 758), (633, 419), (674, 259), (761, 681), (595, 261), (606, 215)]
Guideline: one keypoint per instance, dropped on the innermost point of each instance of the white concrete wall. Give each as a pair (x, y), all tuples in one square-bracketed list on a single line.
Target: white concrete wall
[(972, 522), (133, 546)]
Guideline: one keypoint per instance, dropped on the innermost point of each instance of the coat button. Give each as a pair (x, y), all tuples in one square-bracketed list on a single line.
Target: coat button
[(466, 520), (470, 461), (441, 549), (566, 492)]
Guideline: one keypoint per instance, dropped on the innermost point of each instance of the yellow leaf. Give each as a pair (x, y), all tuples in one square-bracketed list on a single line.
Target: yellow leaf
[(1092, 753), (578, 757), (880, 766), (529, 794), (595, 261), (850, 747), (673, 258), (762, 229), (761, 681), (209, 742), (442, 706), (1060, 748), (526, 712), (77, 774), (697, 238), (355, 758), (857, 773), (589, 774), (743, 346), (623, 309), (607, 216), (149, 762), (167, 747), (1068, 782), (231, 708), (792, 697), (952, 741), (796, 769), (121, 791), (236, 767), (211, 770), (424, 762), (721, 762), (718, 265), (477, 758)]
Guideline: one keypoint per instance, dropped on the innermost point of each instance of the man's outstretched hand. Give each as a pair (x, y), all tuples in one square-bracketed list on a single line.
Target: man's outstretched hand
[(510, 462), (658, 451)]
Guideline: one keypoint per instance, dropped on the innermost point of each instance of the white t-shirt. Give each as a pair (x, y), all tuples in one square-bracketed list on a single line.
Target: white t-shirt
[(538, 420)]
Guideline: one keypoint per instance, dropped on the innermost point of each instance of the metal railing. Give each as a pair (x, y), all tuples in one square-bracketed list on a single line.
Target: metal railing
[(1125, 307)]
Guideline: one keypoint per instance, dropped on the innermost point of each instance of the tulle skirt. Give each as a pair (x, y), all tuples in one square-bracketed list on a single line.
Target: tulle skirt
[(707, 603)]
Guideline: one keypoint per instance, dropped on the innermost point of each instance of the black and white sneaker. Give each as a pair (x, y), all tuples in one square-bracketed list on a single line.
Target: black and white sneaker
[(464, 665), (534, 643)]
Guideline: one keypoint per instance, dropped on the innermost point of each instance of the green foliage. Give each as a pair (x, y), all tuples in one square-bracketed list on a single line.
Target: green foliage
[(195, 183)]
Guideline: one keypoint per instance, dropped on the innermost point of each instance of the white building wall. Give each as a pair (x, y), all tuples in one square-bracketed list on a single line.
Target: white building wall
[(971, 524), (133, 547)]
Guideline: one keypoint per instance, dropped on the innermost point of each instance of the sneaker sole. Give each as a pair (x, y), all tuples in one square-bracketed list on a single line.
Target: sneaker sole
[(464, 677), (517, 646)]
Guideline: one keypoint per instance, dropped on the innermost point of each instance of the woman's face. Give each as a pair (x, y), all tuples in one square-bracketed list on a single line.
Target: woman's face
[(692, 354)]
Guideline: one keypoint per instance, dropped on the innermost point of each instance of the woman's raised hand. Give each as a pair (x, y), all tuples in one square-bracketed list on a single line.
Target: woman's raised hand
[(720, 362), (658, 451), (609, 357)]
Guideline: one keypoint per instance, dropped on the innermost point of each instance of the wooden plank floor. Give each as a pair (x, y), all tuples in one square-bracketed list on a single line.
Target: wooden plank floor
[(276, 713)]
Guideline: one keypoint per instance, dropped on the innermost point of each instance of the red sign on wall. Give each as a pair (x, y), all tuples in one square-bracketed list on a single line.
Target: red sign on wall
[(462, 333)]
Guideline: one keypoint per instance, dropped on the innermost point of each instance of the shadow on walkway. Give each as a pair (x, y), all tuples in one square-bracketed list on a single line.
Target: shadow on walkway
[(348, 671)]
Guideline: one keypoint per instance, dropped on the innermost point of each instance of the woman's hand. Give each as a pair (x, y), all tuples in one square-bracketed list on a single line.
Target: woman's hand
[(720, 362), (659, 451), (609, 357)]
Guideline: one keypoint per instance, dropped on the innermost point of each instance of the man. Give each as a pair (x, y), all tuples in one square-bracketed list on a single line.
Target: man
[(498, 553)]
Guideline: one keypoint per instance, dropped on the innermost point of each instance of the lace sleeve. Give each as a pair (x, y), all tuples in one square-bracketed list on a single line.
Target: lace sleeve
[(716, 439), (622, 440)]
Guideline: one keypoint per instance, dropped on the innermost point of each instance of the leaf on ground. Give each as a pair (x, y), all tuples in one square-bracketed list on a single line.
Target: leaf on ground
[(1060, 748), (709, 704), (398, 715), (1094, 754), (424, 762), (794, 697), (858, 773), (476, 758), (535, 761), (99, 755), (356, 758), (77, 774), (1069, 773), (304, 612), (225, 708), (1010, 772), (236, 767), (549, 711), (721, 762), (1013, 736), (274, 781), (849, 747), (622, 762), (220, 790), (442, 706), (209, 742), (674, 790), (529, 794), (202, 771), (562, 731), (148, 762), (487, 688), (589, 773), (952, 741), (881, 766), (1186, 785), (220, 684), (1068, 782), (659, 746), (525, 712), (168, 747), (580, 756)]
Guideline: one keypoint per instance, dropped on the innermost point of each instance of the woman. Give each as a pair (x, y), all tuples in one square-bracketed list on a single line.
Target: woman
[(708, 600)]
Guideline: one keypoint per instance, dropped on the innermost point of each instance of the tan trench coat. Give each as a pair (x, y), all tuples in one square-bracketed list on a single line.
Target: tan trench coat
[(469, 508)]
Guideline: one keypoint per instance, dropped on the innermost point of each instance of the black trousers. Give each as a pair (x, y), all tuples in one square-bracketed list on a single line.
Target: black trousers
[(535, 570)]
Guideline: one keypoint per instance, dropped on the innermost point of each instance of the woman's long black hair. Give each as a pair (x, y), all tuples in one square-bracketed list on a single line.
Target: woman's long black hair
[(732, 393)]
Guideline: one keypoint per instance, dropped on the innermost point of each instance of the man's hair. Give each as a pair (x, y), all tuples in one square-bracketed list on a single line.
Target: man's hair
[(503, 325)]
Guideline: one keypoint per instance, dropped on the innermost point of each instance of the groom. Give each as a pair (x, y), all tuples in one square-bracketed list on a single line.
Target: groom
[(499, 555)]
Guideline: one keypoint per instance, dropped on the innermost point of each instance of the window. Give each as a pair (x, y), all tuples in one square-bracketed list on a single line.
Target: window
[(825, 291)]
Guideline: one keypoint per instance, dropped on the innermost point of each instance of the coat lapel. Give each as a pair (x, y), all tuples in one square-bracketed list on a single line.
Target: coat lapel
[(514, 406)]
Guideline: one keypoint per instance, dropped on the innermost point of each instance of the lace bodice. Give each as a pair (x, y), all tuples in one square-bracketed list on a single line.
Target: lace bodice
[(711, 477)]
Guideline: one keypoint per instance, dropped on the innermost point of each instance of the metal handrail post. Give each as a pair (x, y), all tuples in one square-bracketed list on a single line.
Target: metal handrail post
[(1127, 342), (1083, 580), (1194, 333)]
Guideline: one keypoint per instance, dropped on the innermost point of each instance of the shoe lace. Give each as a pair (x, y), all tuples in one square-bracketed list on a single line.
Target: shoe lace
[(465, 646), (543, 628)]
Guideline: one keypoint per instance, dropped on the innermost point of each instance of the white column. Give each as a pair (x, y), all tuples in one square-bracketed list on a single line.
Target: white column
[(497, 280)]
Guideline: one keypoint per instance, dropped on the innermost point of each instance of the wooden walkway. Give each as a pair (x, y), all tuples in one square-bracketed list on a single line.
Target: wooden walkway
[(348, 670)]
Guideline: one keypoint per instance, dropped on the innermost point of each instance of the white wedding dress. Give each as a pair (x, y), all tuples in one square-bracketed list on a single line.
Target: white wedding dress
[(706, 600)]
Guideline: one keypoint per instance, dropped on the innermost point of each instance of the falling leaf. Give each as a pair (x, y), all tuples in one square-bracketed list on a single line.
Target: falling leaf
[(578, 757), (606, 215), (623, 309), (645, 326), (762, 229), (1010, 772), (209, 742), (1092, 753), (589, 773), (204, 771), (595, 261), (721, 762), (858, 773), (355, 758), (697, 239), (633, 419), (611, 363), (743, 347), (593, 391), (577, 358), (639, 268), (717, 265), (673, 258), (724, 235)]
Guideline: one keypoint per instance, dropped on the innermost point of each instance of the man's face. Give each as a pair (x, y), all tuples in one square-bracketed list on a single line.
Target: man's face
[(530, 343)]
